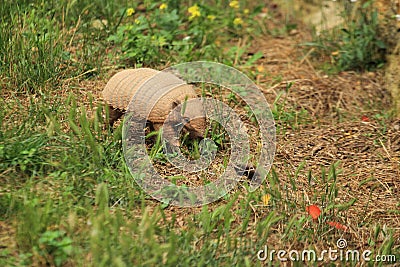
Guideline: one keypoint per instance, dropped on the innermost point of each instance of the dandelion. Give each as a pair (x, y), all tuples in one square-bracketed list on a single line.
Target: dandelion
[(237, 21), (137, 21), (246, 11), (260, 68), (211, 17), (234, 4), (163, 6), (194, 12), (130, 11), (265, 199)]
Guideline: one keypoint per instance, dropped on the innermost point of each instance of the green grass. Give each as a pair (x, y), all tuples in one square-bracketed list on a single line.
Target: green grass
[(355, 45), (37, 38), (66, 195)]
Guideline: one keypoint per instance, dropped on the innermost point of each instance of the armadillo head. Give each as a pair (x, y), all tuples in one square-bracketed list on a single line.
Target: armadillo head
[(188, 116), (191, 114), (196, 128)]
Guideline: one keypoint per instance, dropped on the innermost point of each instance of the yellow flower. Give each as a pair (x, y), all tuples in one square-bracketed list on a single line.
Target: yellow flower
[(194, 12), (234, 4), (265, 199), (130, 11), (260, 68), (237, 21), (211, 17), (246, 11), (163, 6), (137, 21)]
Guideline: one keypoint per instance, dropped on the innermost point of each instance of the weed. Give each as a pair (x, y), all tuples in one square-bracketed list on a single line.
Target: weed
[(24, 154), (288, 116), (55, 246), (39, 48), (356, 45), (170, 33), (32, 46), (67, 197)]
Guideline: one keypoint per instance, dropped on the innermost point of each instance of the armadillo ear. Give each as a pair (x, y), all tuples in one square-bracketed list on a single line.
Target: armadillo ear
[(177, 109), (175, 103)]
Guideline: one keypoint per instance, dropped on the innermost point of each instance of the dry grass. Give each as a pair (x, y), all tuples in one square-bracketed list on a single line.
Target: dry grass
[(347, 126)]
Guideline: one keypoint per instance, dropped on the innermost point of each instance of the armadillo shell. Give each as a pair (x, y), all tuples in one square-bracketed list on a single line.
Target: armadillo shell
[(121, 88), (160, 93), (165, 104)]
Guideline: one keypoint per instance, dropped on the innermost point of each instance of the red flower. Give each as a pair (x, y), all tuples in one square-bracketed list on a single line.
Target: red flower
[(365, 118), (314, 211), (338, 225)]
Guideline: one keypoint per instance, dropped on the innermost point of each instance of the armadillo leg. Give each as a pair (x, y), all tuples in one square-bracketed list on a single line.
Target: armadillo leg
[(169, 132), (115, 114)]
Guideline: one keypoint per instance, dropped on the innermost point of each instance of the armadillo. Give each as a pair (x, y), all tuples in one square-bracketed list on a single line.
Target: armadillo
[(169, 92)]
